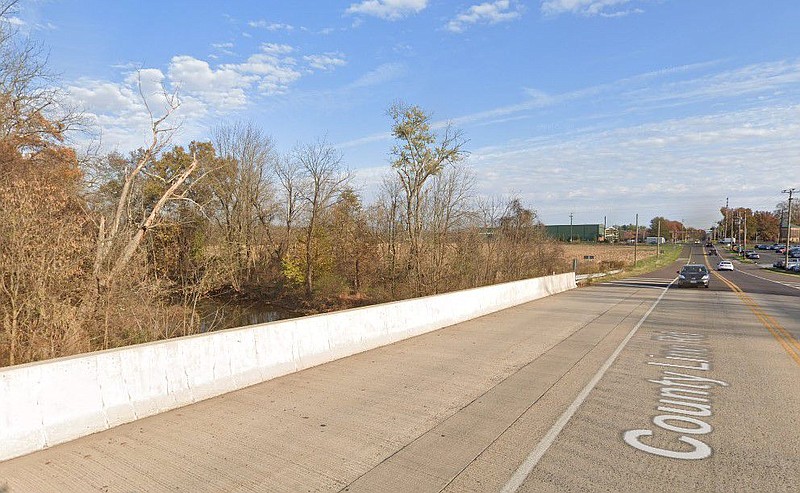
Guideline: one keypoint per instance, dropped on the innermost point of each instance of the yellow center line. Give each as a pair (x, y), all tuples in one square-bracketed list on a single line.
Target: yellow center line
[(783, 336)]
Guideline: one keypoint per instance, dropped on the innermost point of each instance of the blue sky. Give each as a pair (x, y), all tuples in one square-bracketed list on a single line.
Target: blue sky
[(597, 107)]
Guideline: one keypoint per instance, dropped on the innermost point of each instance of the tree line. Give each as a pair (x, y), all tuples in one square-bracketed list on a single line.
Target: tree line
[(100, 251)]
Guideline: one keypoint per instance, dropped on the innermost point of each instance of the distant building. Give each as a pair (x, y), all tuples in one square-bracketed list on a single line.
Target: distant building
[(612, 234), (794, 237), (579, 232)]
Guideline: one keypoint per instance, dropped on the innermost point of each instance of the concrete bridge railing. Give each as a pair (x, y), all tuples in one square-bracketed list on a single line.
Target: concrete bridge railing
[(46, 403)]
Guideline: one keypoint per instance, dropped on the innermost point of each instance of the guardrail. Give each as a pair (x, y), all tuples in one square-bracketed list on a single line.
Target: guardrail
[(51, 402)]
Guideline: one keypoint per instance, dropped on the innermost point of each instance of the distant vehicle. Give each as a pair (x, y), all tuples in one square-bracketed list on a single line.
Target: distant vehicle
[(794, 252), (753, 255), (780, 251), (655, 240), (793, 262), (781, 263), (725, 265), (712, 251), (728, 241), (794, 268), (693, 275), (709, 244), (696, 242)]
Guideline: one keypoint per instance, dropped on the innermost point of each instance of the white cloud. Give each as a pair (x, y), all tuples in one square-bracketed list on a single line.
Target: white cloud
[(391, 10), (270, 26), (274, 75), (102, 97), (380, 75), (276, 49), (489, 13), (15, 21), (223, 48), (118, 111), (327, 61), (606, 8), (712, 152), (224, 87)]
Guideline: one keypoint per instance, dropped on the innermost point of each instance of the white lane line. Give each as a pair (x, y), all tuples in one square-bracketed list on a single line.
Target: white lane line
[(524, 470)]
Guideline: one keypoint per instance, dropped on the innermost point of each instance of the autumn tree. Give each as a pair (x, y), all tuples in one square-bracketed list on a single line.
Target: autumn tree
[(766, 226), (44, 235), (351, 238)]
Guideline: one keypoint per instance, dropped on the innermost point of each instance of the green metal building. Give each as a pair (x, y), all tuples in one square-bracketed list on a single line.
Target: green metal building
[(580, 232)]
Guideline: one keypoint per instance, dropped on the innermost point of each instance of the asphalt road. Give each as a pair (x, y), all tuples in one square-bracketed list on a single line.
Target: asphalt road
[(620, 386)]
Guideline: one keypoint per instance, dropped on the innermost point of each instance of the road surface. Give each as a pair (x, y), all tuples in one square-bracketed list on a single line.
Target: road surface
[(622, 386)]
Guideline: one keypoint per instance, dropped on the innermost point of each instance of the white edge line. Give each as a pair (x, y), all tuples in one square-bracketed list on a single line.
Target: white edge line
[(524, 470), (769, 280)]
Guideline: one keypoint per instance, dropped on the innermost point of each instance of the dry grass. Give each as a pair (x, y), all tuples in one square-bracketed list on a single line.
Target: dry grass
[(605, 256)]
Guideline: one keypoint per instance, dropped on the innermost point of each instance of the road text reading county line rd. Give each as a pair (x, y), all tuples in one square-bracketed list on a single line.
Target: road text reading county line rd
[(683, 395)]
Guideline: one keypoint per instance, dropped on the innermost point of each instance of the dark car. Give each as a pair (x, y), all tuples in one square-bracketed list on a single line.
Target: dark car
[(712, 251), (753, 256), (693, 275)]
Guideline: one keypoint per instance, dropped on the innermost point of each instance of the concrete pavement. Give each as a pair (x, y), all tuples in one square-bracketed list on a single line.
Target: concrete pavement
[(466, 407)]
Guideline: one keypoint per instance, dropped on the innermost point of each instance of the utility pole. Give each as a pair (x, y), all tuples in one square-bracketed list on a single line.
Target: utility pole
[(570, 227), (744, 238), (725, 226), (790, 191), (658, 239), (739, 230), (635, 240)]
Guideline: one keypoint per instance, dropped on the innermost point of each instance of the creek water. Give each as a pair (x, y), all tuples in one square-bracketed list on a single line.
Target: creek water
[(217, 316)]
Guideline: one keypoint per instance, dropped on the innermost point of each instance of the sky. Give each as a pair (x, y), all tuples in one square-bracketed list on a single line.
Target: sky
[(600, 108)]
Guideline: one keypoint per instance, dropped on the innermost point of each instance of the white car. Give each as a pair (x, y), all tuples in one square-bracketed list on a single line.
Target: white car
[(725, 265)]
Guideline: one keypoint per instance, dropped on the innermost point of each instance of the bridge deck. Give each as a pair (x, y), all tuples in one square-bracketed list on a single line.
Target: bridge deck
[(463, 408)]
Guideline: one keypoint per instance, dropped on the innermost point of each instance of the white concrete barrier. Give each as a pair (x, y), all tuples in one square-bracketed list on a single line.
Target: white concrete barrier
[(51, 402)]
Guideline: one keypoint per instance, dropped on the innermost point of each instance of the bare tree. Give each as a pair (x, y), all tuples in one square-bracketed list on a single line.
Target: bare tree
[(244, 193), (447, 207), (117, 242), (388, 223), (289, 175), (324, 180)]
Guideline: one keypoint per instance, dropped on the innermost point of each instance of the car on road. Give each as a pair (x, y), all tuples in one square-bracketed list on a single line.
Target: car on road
[(753, 256), (725, 265), (794, 268), (693, 275)]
